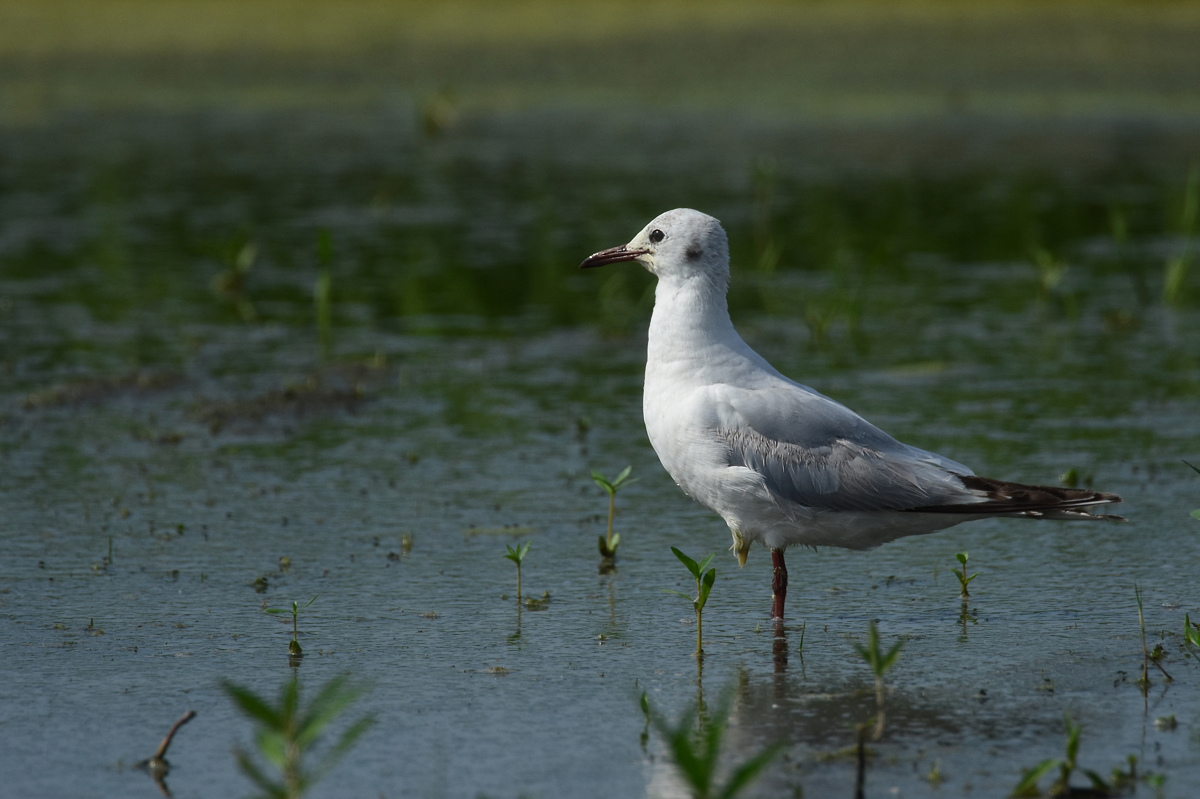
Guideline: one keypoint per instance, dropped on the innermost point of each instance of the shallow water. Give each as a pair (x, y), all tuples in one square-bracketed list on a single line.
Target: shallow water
[(470, 381)]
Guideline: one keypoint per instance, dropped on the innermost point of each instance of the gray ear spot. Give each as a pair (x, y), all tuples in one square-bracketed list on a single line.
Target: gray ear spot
[(693, 253)]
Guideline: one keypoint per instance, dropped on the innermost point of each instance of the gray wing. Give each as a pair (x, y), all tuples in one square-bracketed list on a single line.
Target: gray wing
[(817, 453)]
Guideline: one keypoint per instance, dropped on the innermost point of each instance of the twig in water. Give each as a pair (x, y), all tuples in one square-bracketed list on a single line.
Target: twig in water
[(157, 766)]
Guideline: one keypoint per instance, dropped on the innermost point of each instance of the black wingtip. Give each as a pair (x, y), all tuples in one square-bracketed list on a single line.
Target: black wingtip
[(1002, 498)]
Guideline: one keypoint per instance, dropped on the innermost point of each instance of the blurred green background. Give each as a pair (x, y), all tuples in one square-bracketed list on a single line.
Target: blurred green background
[(819, 60), (460, 157)]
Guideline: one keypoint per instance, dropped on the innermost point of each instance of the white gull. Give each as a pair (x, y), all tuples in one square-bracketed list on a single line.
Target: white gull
[(781, 463)]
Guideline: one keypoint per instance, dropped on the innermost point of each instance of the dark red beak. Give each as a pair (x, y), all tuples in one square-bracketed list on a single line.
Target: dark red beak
[(613, 255)]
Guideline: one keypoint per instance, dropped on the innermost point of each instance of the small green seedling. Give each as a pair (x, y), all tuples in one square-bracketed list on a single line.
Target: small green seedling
[(1061, 786), (516, 556), (1196, 512), (963, 579), (608, 546), (287, 735), (704, 583), (879, 663), (1144, 680), (1191, 632), (294, 647), (697, 751)]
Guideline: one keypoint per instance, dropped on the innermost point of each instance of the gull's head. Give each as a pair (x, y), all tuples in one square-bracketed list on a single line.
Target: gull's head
[(679, 245)]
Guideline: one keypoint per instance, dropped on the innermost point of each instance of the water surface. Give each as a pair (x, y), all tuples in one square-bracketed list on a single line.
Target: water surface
[(155, 400)]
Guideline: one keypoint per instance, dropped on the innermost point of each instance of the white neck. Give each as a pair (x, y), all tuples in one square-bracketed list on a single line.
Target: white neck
[(690, 325)]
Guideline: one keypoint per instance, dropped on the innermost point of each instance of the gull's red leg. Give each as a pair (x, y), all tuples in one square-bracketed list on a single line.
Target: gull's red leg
[(778, 584)]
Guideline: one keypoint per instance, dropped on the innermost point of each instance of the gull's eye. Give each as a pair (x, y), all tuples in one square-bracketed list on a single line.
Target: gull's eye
[(656, 236)]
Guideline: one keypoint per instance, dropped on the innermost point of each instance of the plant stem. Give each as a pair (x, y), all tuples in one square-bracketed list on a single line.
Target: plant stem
[(166, 742), (612, 507), (878, 732), (861, 752), (699, 632), (1145, 681), (518, 582)]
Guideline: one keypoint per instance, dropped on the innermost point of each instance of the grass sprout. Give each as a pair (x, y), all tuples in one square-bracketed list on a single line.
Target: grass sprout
[(880, 662), (608, 545), (1147, 658), (288, 734), (294, 647), (1066, 766), (516, 556), (695, 747), (963, 579), (704, 583)]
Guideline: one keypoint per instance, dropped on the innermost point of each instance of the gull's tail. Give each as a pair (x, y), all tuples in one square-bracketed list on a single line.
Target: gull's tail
[(1000, 498)]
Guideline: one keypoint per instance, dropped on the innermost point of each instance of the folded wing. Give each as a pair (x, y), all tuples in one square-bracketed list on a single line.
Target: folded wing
[(816, 453)]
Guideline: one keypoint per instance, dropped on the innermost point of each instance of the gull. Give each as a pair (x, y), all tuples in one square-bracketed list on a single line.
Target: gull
[(781, 463)]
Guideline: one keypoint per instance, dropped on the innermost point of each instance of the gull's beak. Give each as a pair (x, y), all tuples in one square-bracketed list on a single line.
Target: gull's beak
[(613, 255)]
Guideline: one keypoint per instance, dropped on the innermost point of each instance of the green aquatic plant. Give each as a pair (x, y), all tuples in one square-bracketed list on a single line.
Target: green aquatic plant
[(1195, 513), (294, 647), (516, 556), (1066, 766), (695, 747), (1175, 270), (1147, 658), (704, 582), (323, 294), (287, 735), (880, 662), (1051, 270), (608, 546), (231, 282), (1191, 635), (1191, 630), (963, 579)]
